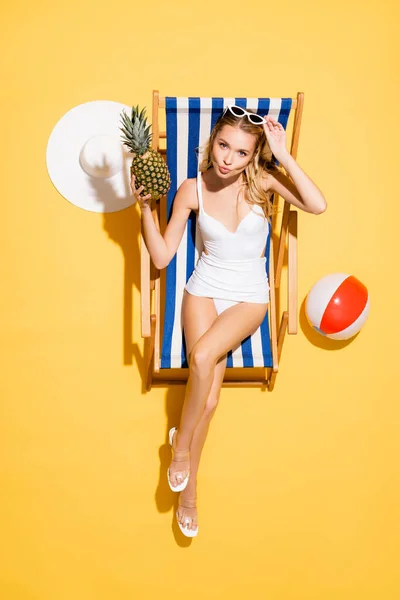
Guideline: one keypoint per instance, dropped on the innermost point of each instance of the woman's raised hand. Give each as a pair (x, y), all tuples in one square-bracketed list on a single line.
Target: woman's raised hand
[(276, 135), (143, 200)]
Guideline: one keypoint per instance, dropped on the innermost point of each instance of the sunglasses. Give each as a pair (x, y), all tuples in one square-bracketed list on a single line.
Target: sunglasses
[(238, 111)]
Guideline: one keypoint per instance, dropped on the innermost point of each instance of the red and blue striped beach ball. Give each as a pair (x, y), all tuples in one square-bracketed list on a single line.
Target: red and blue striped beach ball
[(337, 306)]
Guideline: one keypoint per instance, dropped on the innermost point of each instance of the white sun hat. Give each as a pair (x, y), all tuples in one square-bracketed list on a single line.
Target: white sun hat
[(86, 159)]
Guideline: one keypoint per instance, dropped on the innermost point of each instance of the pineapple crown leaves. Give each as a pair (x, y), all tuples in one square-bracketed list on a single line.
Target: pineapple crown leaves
[(136, 132), (136, 115)]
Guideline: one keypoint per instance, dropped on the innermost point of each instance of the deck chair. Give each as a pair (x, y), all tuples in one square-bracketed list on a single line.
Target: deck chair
[(256, 361)]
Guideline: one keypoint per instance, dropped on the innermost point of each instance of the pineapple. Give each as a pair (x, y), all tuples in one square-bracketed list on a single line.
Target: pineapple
[(148, 165)]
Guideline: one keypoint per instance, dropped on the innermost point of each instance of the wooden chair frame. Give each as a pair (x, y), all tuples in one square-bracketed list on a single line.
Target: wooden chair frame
[(151, 286)]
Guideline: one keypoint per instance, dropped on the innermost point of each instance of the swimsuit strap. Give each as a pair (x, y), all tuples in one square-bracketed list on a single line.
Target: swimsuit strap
[(199, 192)]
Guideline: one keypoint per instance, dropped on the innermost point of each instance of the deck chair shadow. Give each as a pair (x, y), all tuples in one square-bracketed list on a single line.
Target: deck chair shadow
[(256, 361)]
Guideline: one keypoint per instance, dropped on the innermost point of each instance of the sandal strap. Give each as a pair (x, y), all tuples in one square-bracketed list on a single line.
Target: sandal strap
[(185, 506), (180, 455), (175, 451), (190, 500)]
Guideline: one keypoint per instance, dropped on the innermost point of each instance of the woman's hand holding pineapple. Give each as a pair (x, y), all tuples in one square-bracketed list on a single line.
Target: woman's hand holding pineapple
[(148, 167), (142, 200)]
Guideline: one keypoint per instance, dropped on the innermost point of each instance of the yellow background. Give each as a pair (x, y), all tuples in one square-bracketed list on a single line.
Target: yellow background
[(299, 489)]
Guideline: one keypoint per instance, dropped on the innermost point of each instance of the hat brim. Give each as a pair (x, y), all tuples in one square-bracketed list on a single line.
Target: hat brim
[(62, 156)]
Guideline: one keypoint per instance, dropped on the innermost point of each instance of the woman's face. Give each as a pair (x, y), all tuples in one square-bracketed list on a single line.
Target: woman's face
[(232, 150)]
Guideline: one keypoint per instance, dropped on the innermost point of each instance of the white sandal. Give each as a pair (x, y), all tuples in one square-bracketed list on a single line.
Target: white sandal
[(187, 532), (177, 456)]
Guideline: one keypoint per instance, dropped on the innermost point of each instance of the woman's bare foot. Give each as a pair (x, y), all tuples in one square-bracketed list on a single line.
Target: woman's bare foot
[(187, 509), (180, 464)]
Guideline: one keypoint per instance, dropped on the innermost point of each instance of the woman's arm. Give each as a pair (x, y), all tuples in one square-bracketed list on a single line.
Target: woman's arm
[(299, 189), (162, 248)]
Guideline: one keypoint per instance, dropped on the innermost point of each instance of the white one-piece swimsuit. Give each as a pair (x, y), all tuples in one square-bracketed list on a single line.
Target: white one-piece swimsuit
[(231, 268)]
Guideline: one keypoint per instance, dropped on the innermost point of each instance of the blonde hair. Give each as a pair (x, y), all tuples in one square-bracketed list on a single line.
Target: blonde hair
[(261, 162)]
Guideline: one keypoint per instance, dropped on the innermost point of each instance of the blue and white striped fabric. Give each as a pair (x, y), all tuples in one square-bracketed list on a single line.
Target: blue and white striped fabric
[(189, 123)]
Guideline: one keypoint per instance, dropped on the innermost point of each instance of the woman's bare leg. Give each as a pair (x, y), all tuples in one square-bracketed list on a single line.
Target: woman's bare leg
[(225, 332), (198, 314), (187, 508)]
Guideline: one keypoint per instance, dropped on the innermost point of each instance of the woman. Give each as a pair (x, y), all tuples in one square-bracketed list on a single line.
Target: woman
[(226, 298)]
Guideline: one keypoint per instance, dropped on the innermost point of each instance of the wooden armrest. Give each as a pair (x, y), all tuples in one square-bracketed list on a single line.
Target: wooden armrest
[(144, 288), (292, 272), (272, 307)]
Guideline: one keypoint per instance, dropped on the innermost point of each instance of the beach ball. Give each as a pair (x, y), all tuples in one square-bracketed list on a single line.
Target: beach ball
[(337, 306)]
